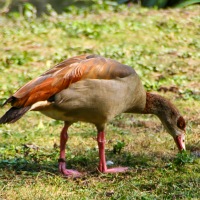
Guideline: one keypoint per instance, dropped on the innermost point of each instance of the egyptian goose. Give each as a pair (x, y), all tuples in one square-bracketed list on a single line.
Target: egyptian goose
[(92, 89)]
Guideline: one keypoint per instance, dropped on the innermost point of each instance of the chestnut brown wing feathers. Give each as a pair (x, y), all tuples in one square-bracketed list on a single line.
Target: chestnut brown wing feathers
[(66, 73)]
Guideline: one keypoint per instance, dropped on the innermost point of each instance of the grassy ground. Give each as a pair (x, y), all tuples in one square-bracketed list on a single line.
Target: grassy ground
[(164, 48)]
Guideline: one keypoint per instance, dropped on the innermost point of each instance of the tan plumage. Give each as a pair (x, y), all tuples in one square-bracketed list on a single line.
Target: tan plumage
[(93, 89)]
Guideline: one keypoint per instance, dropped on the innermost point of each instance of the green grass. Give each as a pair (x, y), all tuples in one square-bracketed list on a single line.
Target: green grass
[(163, 46)]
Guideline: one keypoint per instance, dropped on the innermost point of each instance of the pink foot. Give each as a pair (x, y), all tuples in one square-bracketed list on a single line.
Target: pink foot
[(68, 172), (102, 158), (71, 173), (115, 170)]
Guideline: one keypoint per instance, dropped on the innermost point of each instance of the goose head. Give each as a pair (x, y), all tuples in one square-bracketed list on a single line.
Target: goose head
[(170, 117)]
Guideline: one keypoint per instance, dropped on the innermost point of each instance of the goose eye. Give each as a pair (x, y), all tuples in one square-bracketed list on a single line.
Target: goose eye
[(181, 123)]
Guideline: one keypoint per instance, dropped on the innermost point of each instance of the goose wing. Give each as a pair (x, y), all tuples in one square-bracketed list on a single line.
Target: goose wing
[(65, 73)]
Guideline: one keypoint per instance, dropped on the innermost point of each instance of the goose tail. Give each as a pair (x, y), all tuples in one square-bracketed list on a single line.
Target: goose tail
[(13, 114)]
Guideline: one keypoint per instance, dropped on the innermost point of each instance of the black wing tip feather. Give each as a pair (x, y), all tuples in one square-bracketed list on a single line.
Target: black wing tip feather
[(9, 100), (13, 114)]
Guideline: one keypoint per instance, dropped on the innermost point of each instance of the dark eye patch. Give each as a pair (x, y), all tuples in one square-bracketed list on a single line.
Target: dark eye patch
[(181, 123)]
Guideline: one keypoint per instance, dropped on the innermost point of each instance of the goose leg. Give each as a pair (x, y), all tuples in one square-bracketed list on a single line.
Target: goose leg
[(102, 158), (61, 160)]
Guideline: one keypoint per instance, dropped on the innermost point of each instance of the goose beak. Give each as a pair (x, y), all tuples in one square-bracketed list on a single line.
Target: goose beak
[(180, 142)]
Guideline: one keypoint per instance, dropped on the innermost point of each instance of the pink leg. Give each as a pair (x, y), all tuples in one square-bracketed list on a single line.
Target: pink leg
[(102, 158), (61, 160)]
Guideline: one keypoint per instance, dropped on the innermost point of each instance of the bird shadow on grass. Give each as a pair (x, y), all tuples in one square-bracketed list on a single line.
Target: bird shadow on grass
[(86, 163)]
